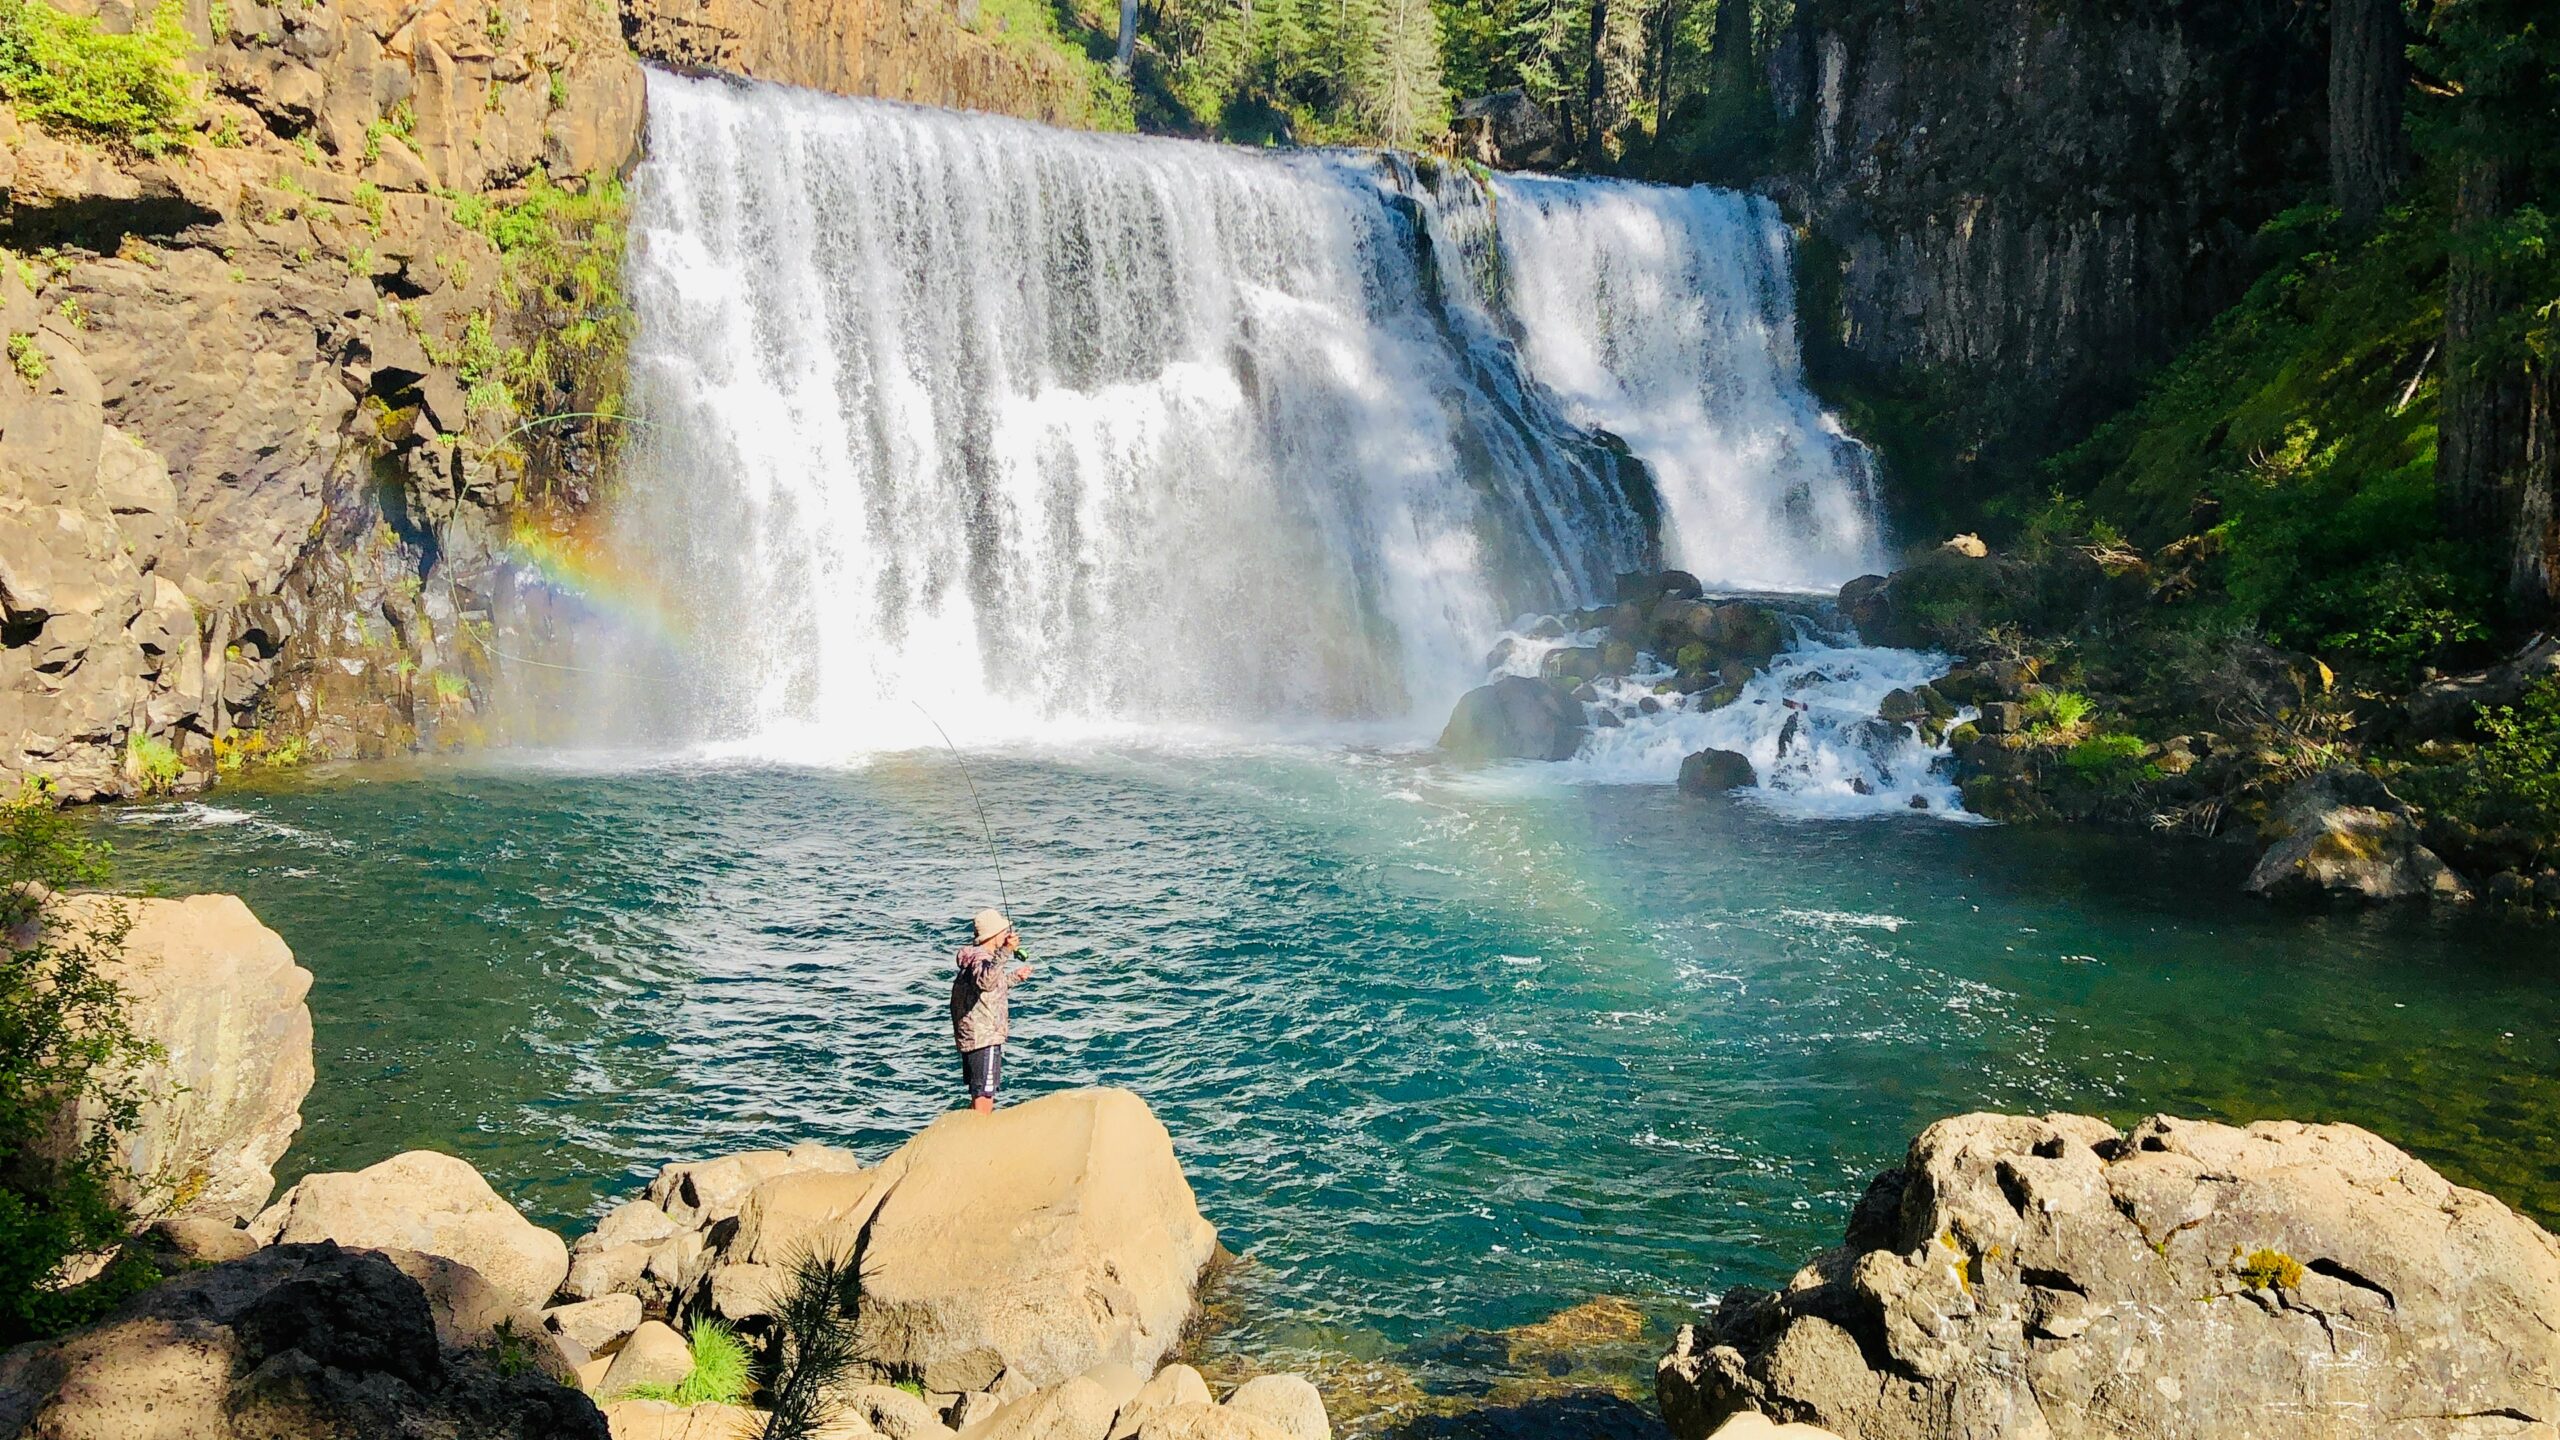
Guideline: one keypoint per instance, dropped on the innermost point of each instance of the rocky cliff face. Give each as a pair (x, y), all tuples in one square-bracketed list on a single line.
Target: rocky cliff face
[(928, 51), (255, 460), (2015, 207)]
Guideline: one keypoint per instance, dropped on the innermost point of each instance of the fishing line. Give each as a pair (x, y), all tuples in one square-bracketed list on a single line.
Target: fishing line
[(984, 828)]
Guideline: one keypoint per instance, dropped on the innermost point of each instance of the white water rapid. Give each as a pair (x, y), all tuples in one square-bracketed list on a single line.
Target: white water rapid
[(1057, 433)]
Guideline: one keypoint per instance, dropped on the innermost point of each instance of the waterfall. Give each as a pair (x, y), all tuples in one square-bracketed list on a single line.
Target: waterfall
[(1046, 429)]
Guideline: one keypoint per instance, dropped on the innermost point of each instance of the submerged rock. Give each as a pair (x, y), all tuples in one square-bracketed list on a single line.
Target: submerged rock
[(2053, 1277), (2341, 835), (1710, 772), (1514, 718), (294, 1341)]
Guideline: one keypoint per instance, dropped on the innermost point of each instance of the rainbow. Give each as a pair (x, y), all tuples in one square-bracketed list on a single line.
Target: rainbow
[(573, 562)]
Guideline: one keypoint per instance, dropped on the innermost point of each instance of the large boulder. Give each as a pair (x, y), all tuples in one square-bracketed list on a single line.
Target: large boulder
[(2341, 835), (2450, 707), (1508, 131), (222, 997), (1712, 772), (1514, 718), (1058, 1235), (2057, 1279), (293, 1341), (424, 1201)]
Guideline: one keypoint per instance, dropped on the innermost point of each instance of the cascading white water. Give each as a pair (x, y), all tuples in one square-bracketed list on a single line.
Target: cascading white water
[(1046, 429), (1668, 317)]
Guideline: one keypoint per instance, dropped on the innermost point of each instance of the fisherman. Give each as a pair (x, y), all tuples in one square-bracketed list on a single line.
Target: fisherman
[(981, 1009)]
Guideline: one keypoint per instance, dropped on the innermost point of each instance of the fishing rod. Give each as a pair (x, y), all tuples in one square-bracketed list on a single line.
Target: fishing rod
[(985, 828)]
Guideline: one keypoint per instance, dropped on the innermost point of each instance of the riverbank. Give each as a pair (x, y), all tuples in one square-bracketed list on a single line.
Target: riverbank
[(1045, 1273)]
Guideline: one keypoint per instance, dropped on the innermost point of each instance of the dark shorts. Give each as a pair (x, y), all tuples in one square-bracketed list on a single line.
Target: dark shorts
[(982, 1068)]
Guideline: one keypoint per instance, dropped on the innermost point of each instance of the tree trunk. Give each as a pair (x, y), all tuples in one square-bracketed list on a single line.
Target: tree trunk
[(2368, 74), (1595, 82), (2481, 440), (1666, 29), (1128, 50), (2533, 572), (1729, 63)]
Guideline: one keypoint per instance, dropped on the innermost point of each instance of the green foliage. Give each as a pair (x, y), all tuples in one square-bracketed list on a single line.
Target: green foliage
[(2060, 712), (2111, 761), (2269, 1270), (2302, 430), (816, 1345), (27, 359), (65, 1038), (721, 1374), (2512, 780), (69, 75), (1692, 658), (1308, 71), (153, 763), (1061, 34)]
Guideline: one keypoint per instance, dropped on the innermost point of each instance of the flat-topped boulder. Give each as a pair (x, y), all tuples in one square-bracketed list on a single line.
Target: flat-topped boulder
[(1058, 1234), (428, 1202), (2056, 1278)]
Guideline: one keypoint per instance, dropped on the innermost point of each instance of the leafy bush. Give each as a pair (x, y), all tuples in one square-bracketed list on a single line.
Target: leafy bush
[(2514, 777), (64, 1038), (721, 1374), (66, 74), (2111, 760), (153, 763), (815, 1345), (2060, 711), (26, 359)]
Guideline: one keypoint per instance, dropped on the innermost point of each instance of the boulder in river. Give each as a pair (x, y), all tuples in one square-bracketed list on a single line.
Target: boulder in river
[(1514, 718), (223, 998), (294, 1341), (2341, 835), (429, 1202), (2056, 1278), (1712, 772)]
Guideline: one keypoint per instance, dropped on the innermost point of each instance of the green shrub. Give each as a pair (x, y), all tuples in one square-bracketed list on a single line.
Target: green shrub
[(153, 763), (66, 74), (64, 1038), (721, 1374), (2111, 760), (2061, 711), (27, 359), (2514, 777)]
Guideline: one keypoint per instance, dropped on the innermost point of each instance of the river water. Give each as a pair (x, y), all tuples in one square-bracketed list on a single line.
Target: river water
[(1439, 1050), (1189, 487)]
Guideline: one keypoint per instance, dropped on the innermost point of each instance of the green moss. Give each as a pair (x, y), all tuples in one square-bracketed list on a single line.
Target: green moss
[(70, 76)]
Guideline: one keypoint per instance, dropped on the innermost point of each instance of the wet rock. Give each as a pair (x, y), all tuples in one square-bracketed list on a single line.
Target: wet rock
[(1900, 707), (2054, 1277), (1508, 131), (1514, 718), (294, 1341), (1647, 590), (2001, 717), (2341, 835), (1710, 772), (223, 998), (427, 1202), (1572, 664)]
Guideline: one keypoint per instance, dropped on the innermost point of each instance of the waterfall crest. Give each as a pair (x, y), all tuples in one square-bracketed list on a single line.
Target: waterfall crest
[(1046, 429)]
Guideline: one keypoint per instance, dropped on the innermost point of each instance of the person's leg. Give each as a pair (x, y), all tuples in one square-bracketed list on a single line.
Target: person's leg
[(982, 1068)]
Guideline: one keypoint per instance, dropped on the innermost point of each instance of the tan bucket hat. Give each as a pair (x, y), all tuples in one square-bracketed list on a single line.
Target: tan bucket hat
[(991, 923)]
